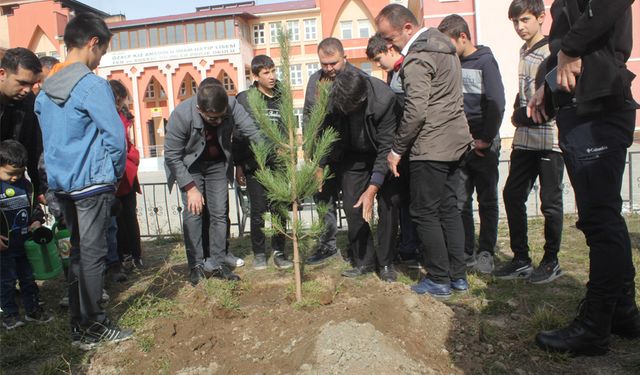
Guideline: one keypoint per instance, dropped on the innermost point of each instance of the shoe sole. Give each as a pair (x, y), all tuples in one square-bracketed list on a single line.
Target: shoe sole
[(283, 267), (523, 275), (87, 347), (321, 261), (549, 279), (259, 268), (31, 320), (436, 296), (10, 328), (594, 351)]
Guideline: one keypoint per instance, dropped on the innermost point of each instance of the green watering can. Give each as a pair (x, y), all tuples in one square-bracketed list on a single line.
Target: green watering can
[(42, 253)]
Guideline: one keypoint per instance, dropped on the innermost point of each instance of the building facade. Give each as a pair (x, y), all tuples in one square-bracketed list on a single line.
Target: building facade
[(162, 59)]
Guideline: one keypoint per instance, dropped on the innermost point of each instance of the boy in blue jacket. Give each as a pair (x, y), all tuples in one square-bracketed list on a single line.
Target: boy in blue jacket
[(19, 215), (85, 153), (484, 106)]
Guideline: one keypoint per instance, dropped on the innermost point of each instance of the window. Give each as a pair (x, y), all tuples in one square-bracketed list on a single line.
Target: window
[(124, 40), (258, 33), (297, 112), (296, 75), (279, 73), (364, 28), (273, 32), (179, 34), (133, 39), (220, 30), (142, 38), (115, 42), (153, 37), (366, 67), (210, 30), (345, 29), (231, 29), (188, 87), (200, 35), (310, 29), (191, 33), (227, 83), (293, 28), (150, 93), (312, 68), (162, 36)]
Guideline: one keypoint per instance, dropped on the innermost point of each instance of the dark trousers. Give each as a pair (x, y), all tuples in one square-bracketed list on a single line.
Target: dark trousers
[(329, 196), (434, 209), (14, 265), (409, 241), (88, 220), (595, 149), (354, 183), (480, 173), (210, 179), (128, 227), (259, 206), (525, 167)]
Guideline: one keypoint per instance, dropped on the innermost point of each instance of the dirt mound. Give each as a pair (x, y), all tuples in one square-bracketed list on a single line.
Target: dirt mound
[(367, 327)]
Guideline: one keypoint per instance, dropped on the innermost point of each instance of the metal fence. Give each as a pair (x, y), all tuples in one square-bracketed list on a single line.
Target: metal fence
[(160, 211)]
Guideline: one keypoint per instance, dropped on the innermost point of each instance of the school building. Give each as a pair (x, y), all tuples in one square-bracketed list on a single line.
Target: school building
[(161, 59)]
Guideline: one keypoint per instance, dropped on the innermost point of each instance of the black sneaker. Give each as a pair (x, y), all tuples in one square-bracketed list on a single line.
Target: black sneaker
[(11, 322), (137, 264), (516, 269), (38, 316), (260, 262), (280, 261), (100, 333), (224, 272), (546, 272), (196, 274), (321, 255)]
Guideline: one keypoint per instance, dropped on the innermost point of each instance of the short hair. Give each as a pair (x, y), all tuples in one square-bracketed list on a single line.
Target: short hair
[(83, 27), (20, 57), (397, 16), (48, 61), (212, 97), (349, 91), (331, 46), (520, 7), (210, 81), (376, 45), (119, 89), (13, 153), (453, 26), (261, 62)]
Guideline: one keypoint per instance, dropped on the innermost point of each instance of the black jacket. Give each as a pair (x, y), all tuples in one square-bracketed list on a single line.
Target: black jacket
[(600, 33), (381, 116), (18, 121)]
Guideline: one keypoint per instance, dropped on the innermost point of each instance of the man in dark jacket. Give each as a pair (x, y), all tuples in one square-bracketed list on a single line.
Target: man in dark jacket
[(592, 42), (197, 153), (332, 61), (19, 70), (366, 118), (434, 132)]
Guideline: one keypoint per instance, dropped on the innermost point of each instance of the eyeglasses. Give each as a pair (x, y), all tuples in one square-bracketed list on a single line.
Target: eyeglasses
[(209, 117)]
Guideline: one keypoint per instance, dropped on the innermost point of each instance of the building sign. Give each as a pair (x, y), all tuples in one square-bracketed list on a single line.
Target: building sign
[(175, 52), (156, 112)]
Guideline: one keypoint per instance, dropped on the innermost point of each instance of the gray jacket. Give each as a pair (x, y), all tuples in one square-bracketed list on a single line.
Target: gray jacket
[(433, 127), (185, 142)]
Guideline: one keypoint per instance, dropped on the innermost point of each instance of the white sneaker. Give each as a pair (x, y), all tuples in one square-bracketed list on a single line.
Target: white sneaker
[(233, 261), (105, 296)]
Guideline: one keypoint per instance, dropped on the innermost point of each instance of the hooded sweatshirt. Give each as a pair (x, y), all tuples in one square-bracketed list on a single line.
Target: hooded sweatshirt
[(83, 137), (433, 126), (483, 94)]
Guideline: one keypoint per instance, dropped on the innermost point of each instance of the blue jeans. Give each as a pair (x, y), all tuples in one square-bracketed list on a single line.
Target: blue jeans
[(15, 266)]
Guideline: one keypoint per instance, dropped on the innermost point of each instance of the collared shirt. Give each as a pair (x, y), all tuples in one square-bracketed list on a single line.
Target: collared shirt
[(415, 36)]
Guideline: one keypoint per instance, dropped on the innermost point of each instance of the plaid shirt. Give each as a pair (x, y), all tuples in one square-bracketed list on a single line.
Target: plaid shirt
[(545, 136)]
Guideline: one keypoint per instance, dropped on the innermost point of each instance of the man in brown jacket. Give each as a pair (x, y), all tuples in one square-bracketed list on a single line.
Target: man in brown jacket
[(435, 133)]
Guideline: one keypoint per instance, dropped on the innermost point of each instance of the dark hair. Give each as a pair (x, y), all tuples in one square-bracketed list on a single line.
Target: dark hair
[(376, 45), (212, 97), (349, 91), (211, 81), (330, 46), (83, 27), (13, 153), (261, 62), (48, 61), (119, 89), (453, 26), (397, 16), (20, 57), (520, 7)]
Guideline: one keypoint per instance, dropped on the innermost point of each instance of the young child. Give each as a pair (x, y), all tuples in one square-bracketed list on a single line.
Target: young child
[(535, 154), (85, 152), (19, 217), (484, 107)]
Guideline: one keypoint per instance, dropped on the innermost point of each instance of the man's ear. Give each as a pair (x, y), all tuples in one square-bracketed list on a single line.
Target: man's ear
[(94, 41), (541, 17), (3, 74)]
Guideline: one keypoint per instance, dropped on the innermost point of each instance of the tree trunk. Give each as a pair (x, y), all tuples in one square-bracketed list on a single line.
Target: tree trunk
[(296, 255)]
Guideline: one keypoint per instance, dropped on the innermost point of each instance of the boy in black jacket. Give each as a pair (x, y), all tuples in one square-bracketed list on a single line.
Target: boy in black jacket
[(484, 107), (592, 42), (264, 71), (20, 214)]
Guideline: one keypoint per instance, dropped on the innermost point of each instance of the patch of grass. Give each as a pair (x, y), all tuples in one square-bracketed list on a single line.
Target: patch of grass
[(488, 333), (545, 318), (312, 292), (404, 279), (224, 293), (146, 343), (145, 308)]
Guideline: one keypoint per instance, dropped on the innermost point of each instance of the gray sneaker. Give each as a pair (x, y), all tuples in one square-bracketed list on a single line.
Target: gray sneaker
[(484, 263), (233, 261), (280, 261), (260, 262), (546, 272), (470, 259), (516, 269)]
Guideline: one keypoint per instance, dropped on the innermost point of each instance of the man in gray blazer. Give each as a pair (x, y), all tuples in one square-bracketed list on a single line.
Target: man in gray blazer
[(197, 154)]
